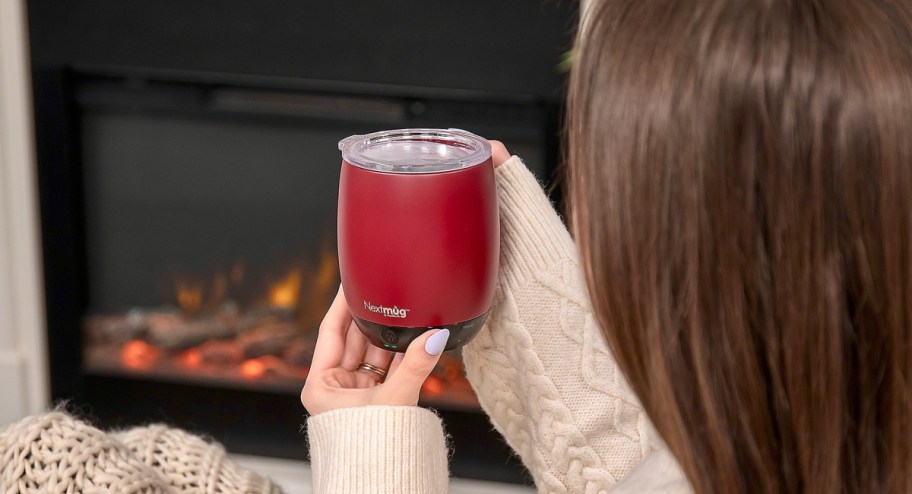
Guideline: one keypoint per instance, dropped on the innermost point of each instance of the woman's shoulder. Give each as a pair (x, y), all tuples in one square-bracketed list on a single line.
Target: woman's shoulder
[(658, 473)]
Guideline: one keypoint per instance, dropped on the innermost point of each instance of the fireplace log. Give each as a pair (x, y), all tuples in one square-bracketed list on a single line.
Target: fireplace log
[(221, 353), (270, 339), (175, 332), (263, 316), (117, 328), (299, 352)]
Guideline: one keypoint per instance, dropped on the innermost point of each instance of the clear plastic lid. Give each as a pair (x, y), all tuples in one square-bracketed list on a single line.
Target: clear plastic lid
[(415, 150)]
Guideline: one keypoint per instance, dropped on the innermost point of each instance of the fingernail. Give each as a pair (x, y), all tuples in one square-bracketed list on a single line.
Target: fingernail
[(436, 342)]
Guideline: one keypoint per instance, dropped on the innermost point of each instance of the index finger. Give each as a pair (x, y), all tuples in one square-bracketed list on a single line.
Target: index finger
[(331, 339)]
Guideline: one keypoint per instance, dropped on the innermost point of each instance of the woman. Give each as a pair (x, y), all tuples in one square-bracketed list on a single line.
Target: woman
[(739, 177)]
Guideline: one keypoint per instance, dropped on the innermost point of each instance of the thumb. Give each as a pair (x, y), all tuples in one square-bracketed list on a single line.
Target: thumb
[(403, 385), (499, 153)]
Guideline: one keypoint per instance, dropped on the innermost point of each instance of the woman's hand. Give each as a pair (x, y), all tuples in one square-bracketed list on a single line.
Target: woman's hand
[(499, 153), (335, 380)]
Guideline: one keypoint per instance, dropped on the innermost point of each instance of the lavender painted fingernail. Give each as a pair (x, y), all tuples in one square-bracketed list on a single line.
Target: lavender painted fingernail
[(436, 342)]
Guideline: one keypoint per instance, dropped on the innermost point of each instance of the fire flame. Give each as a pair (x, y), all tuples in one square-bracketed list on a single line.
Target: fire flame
[(325, 277), (307, 287), (319, 292), (237, 273), (321, 284), (189, 295), (284, 293)]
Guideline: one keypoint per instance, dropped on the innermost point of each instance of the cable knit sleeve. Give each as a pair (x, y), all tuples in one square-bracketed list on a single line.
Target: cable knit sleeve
[(378, 449), (540, 366)]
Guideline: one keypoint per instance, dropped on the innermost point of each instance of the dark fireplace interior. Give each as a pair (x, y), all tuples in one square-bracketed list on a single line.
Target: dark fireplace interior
[(188, 175)]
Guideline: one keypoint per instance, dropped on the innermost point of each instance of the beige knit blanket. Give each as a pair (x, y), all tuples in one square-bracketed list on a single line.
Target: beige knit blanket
[(56, 453)]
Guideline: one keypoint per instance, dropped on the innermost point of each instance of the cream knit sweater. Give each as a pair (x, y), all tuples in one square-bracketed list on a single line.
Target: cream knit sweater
[(542, 372)]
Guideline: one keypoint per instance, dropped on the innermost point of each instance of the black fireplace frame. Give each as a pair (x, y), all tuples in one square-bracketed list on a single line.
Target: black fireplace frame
[(142, 40)]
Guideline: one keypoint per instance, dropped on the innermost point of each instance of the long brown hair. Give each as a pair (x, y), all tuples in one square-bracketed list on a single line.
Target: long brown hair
[(741, 189)]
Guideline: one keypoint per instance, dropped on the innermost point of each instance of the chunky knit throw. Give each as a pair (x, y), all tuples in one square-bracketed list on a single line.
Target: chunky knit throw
[(56, 453)]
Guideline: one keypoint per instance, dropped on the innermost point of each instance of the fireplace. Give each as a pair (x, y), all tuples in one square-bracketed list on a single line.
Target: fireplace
[(209, 216), (188, 200)]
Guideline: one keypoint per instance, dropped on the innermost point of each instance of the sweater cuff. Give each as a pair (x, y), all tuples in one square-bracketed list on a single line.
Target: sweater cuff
[(378, 449), (532, 235)]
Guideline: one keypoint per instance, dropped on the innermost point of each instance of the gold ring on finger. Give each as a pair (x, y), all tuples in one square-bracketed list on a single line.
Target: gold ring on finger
[(372, 368)]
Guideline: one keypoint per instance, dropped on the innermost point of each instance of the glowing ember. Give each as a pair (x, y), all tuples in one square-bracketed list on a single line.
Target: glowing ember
[(284, 293), (138, 354), (192, 358), (253, 369), (433, 386)]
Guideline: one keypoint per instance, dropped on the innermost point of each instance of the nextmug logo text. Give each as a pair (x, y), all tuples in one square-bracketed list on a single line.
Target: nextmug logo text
[(393, 311)]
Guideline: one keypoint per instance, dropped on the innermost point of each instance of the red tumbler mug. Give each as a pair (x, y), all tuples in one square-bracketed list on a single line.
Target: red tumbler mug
[(418, 233)]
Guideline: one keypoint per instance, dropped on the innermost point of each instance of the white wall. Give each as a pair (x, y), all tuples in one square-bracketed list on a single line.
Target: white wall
[(23, 366)]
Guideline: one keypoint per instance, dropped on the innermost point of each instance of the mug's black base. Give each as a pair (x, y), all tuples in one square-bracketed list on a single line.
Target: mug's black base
[(397, 339)]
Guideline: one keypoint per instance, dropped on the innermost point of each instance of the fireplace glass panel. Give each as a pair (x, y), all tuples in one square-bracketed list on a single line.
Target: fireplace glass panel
[(210, 225)]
